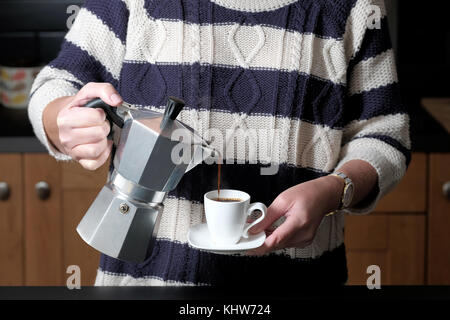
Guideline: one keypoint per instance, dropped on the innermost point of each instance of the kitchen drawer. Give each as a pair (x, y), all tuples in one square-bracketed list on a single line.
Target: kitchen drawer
[(410, 195)]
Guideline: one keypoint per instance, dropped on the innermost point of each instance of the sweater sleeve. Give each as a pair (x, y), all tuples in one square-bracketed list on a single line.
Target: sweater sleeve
[(376, 128), (92, 51)]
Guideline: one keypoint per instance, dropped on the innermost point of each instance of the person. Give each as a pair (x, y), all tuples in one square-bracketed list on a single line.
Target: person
[(316, 75)]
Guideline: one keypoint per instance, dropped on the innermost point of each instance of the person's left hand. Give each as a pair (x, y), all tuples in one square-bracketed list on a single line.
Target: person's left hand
[(304, 207)]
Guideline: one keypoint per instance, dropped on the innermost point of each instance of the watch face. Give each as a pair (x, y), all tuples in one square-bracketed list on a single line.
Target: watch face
[(348, 196)]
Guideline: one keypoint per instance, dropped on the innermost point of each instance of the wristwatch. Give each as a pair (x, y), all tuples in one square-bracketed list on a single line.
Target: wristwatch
[(347, 194)]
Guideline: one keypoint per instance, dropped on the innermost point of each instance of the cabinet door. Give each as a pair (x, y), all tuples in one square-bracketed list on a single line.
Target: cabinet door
[(395, 243), (43, 244), (439, 221), (76, 251), (392, 237), (80, 187), (11, 221)]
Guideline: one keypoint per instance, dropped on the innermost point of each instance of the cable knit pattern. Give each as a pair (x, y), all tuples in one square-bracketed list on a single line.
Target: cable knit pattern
[(311, 73)]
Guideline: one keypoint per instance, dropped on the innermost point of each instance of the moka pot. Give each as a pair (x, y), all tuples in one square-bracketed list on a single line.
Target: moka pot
[(154, 151)]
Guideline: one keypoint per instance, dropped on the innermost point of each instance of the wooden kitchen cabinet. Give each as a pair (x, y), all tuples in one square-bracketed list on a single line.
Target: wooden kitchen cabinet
[(38, 220), (407, 236), (439, 221), (411, 193), (43, 238), (11, 221), (80, 187), (394, 236), (395, 243)]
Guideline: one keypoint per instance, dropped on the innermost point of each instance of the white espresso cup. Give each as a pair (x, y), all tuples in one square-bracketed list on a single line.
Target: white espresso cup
[(226, 220)]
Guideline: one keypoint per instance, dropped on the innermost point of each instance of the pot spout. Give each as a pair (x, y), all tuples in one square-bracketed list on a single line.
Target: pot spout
[(202, 153)]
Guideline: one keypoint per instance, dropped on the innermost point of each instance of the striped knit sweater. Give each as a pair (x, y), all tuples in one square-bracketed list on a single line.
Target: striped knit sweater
[(311, 69)]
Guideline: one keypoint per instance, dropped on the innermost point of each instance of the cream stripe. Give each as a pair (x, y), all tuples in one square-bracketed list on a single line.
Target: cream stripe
[(185, 213), (383, 125), (51, 73), (165, 38), (304, 140), (373, 73), (108, 279), (48, 90), (322, 58), (357, 24), (92, 35), (388, 162)]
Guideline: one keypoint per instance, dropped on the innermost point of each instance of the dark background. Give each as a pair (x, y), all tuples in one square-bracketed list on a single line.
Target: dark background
[(31, 32), (423, 59)]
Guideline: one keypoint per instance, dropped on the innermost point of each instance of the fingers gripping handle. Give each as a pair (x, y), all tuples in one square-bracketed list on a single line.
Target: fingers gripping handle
[(110, 114), (255, 206)]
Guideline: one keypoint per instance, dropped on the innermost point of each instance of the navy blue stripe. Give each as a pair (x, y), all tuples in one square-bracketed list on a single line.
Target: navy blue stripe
[(114, 13), (245, 177), (375, 42), (172, 261), (322, 18), (297, 96), (385, 100), (392, 142), (82, 65)]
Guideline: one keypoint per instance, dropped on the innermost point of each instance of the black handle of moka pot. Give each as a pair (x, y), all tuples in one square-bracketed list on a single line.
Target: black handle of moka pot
[(110, 114), (173, 109)]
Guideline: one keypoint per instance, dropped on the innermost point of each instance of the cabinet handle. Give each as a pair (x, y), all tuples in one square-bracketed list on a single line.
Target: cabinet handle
[(446, 189), (4, 191), (42, 190)]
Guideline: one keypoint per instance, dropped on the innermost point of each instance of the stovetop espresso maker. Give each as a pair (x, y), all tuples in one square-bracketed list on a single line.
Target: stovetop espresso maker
[(152, 155)]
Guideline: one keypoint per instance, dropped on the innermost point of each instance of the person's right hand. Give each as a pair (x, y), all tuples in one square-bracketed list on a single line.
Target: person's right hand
[(83, 131)]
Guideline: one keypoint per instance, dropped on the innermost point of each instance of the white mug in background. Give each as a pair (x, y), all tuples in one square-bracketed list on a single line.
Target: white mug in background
[(226, 220), (15, 85)]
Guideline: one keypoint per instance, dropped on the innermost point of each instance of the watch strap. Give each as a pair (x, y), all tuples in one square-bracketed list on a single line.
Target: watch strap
[(347, 183)]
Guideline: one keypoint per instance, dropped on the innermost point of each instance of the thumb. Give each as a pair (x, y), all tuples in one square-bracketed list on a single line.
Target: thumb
[(93, 90)]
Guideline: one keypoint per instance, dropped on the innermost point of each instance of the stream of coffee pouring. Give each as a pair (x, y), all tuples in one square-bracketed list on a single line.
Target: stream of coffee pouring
[(219, 164)]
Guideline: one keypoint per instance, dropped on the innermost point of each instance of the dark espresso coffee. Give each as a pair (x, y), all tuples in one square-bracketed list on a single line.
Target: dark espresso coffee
[(227, 199)]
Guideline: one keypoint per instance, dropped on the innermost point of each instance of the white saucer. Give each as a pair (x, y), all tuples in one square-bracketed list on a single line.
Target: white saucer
[(199, 237)]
